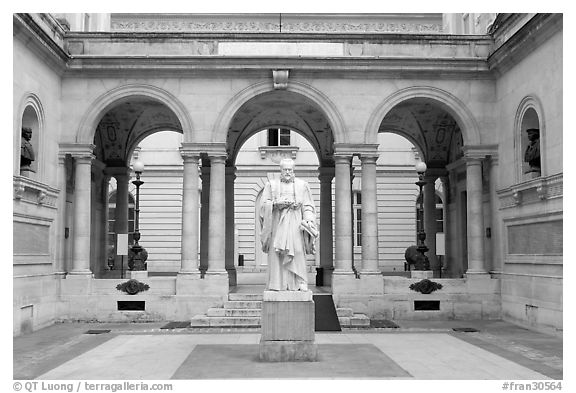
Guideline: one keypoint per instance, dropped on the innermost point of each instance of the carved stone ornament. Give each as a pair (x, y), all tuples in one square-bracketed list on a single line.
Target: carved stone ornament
[(425, 286), (280, 79), (132, 287), (19, 190)]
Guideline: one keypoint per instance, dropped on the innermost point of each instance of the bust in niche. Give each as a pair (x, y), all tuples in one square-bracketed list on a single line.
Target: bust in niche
[(532, 153), (26, 152)]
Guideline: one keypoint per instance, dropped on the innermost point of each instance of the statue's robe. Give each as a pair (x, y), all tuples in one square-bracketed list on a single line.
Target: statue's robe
[(284, 238)]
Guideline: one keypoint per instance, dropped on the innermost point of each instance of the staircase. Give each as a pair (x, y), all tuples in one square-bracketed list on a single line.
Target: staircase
[(244, 310)]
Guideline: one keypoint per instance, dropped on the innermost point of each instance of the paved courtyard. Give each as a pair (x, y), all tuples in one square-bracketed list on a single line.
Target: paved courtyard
[(415, 350)]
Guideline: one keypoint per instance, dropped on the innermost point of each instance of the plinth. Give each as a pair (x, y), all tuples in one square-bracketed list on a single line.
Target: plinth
[(288, 327)]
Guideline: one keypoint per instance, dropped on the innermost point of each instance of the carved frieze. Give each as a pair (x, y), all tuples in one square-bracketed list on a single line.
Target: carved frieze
[(188, 23)]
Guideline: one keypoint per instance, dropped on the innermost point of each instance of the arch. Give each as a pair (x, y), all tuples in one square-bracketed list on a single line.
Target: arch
[(235, 103), (32, 101), (102, 104), (527, 103), (449, 102)]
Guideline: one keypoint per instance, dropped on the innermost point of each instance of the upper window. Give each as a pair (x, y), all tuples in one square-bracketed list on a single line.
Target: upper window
[(278, 137)]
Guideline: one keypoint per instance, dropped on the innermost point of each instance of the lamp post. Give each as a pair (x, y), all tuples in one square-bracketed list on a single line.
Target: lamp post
[(138, 254), (423, 263)]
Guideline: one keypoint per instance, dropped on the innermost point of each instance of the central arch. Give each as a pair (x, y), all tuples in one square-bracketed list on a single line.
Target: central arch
[(322, 101)]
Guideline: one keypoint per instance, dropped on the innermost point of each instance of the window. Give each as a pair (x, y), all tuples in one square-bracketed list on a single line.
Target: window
[(357, 212), (278, 137)]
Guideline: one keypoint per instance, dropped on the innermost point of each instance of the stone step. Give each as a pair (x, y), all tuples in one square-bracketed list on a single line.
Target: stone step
[(237, 304), (356, 320), (206, 321), (233, 312), (344, 312), (245, 296)]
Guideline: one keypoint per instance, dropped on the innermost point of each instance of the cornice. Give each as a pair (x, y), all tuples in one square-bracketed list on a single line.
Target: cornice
[(28, 31), (523, 42), (321, 67)]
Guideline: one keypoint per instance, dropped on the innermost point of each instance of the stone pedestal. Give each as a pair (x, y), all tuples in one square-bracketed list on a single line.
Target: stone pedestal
[(288, 327), (422, 274)]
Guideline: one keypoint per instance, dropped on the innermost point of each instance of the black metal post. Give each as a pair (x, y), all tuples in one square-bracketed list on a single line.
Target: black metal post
[(423, 264), (138, 254)]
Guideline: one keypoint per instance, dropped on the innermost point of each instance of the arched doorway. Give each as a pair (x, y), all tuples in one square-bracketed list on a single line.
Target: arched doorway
[(123, 125), (437, 137), (264, 129)]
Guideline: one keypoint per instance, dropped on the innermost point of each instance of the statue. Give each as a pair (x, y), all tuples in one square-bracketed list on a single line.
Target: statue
[(26, 150), (288, 222), (532, 154)]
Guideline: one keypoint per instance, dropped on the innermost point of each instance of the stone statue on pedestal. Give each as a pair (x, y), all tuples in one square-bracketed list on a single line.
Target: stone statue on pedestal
[(532, 154), (26, 150), (288, 222)]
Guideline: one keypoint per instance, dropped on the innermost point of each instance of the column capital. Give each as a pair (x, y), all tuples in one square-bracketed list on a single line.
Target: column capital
[(342, 158), (357, 149), (479, 152), (217, 159), (190, 156), (77, 150), (369, 158)]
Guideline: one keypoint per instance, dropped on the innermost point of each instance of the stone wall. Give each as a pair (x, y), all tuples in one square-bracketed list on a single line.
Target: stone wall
[(35, 198), (531, 207)]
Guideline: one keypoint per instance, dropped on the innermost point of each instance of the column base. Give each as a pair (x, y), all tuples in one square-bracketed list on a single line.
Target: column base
[(476, 274), (79, 273)]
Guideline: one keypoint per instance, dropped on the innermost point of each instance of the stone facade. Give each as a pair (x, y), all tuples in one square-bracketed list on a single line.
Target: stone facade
[(464, 101)]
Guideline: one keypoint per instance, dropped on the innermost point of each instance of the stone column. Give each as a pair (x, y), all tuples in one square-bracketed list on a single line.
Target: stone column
[(475, 217), (189, 241), (326, 174), (60, 263), (369, 215), (429, 195), (217, 216), (82, 214), (229, 252), (204, 216), (496, 237), (343, 257)]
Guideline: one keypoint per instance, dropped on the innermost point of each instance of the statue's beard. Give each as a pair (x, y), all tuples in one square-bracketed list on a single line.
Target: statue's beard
[(288, 178)]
